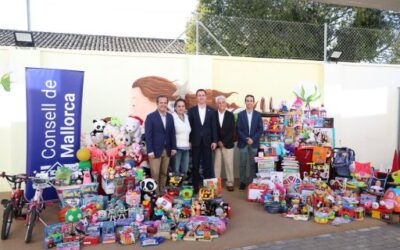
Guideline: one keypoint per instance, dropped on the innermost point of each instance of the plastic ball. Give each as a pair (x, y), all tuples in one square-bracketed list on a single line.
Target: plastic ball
[(73, 215), (83, 154)]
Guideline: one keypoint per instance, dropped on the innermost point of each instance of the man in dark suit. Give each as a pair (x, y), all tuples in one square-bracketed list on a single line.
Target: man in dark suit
[(225, 135), (160, 141), (249, 130), (203, 138)]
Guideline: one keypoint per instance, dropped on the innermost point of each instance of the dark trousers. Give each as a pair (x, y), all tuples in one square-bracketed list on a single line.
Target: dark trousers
[(205, 154)]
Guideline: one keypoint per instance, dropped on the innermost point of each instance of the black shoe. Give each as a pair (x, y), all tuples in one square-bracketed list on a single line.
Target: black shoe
[(242, 186)]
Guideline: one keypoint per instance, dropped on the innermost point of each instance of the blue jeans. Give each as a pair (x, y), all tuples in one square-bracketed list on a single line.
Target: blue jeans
[(181, 162), (247, 154)]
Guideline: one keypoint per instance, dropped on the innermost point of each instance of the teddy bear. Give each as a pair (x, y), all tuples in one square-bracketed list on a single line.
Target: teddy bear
[(132, 126)]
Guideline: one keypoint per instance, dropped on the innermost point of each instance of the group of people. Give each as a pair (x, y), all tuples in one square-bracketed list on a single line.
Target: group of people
[(202, 130)]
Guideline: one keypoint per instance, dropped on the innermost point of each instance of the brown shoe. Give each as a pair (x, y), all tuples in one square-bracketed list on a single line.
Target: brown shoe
[(230, 188)]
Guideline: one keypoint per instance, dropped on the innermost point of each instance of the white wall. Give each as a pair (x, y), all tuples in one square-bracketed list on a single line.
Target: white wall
[(364, 101)]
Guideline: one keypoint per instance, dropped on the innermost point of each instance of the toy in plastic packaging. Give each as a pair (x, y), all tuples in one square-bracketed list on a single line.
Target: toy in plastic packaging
[(126, 235), (88, 190), (108, 234), (68, 246), (151, 241), (52, 235), (69, 195), (215, 184), (132, 197)]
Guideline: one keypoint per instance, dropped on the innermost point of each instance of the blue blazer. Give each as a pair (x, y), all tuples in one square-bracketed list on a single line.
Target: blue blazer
[(242, 128), (207, 131), (158, 137)]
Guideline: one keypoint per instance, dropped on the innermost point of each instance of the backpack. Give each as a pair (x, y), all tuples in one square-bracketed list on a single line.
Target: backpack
[(342, 159)]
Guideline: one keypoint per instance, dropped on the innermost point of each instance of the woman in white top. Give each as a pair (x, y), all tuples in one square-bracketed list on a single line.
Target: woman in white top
[(182, 129)]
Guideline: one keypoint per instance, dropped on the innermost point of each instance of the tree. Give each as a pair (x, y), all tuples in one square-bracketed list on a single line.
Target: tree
[(289, 29)]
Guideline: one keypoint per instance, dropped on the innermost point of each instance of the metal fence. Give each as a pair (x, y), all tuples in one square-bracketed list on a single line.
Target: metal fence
[(248, 37)]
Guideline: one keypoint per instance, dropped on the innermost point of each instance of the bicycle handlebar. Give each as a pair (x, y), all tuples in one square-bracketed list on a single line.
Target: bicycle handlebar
[(40, 181), (18, 178)]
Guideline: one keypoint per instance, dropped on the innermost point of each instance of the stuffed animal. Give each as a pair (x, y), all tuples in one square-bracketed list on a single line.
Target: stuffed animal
[(113, 152), (135, 152), (97, 155), (132, 126), (63, 174), (97, 134), (123, 137), (111, 130), (98, 127)]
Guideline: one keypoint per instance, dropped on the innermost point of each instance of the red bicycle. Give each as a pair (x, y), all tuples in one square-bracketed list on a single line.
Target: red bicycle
[(12, 207)]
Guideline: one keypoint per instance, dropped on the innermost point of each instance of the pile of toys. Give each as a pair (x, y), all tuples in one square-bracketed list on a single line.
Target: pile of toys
[(301, 174), (328, 201), (118, 201), (138, 214)]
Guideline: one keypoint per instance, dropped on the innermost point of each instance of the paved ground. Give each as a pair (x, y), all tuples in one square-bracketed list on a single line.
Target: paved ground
[(381, 237)]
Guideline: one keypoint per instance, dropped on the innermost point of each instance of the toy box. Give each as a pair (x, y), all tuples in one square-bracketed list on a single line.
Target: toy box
[(207, 193), (52, 235), (68, 246), (108, 234), (214, 183), (70, 233), (92, 235), (255, 191)]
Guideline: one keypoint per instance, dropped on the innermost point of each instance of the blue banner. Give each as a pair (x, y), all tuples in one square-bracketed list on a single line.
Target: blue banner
[(54, 100)]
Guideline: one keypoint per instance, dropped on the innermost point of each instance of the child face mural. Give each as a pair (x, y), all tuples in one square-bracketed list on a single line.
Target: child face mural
[(141, 106)]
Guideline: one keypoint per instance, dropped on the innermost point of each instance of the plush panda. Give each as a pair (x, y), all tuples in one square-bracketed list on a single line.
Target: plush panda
[(98, 127), (148, 185)]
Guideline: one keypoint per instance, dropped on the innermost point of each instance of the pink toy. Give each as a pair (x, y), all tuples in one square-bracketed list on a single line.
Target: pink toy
[(112, 153), (86, 177), (135, 152), (96, 154)]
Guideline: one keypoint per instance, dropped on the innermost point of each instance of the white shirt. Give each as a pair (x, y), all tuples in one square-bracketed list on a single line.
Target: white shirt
[(249, 117), (221, 117), (182, 130), (163, 119), (202, 113)]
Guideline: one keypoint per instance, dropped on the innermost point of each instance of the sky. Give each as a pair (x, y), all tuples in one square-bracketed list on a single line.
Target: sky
[(137, 18)]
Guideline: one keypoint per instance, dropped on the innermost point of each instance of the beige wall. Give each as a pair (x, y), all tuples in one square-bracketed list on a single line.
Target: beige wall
[(109, 76), (264, 77)]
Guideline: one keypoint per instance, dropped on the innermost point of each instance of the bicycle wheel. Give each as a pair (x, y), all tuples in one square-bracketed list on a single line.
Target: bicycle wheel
[(31, 224), (7, 221)]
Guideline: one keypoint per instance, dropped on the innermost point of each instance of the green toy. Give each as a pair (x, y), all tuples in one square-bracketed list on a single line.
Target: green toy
[(139, 174), (63, 174), (85, 165), (115, 121), (73, 215), (308, 99)]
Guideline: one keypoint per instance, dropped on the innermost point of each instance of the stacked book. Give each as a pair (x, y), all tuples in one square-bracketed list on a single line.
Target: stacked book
[(290, 165), (265, 164)]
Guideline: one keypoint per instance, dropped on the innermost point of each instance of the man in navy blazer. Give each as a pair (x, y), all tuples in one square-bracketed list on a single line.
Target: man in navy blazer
[(203, 138), (160, 141), (249, 130)]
